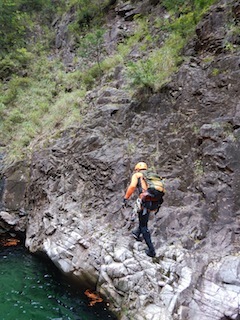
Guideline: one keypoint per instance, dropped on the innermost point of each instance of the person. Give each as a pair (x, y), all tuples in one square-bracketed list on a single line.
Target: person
[(149, 200)]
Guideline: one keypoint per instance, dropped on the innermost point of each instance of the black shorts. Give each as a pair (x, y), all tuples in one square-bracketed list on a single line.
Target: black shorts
[(153, 200)]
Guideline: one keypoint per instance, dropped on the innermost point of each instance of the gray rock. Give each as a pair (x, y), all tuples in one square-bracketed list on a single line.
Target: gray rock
[(189, 131)]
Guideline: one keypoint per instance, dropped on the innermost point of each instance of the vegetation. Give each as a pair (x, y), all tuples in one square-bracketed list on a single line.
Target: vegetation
[(92, 45), (16, 20), (40, 97), (157, 68)]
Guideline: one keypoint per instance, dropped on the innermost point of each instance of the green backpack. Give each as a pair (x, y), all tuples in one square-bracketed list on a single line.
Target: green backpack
[(153, 180)]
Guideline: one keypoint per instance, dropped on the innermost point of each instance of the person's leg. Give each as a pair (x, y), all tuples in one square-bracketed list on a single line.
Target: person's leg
[(137, 232), (143, 226)]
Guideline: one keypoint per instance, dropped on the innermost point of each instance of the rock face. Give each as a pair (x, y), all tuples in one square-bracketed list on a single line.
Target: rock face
[(12, 197), (190, 132)]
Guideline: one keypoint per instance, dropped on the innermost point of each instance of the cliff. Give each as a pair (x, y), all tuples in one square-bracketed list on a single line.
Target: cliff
[(70, 201)]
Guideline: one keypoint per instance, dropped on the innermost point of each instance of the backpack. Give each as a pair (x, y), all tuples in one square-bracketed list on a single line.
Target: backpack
[(152, 198), (153, 180)]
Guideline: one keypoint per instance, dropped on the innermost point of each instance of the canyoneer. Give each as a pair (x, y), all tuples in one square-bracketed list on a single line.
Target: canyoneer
[(151, 191)]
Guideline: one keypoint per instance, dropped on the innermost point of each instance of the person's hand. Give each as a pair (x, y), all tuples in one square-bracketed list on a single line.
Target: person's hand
[(125, 203)]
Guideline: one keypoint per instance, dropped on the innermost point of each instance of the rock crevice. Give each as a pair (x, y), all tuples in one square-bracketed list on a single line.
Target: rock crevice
[(70, 200)]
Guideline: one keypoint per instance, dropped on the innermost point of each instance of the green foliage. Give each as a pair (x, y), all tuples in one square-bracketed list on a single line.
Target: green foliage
[(2, 111), (88, 13), (186, 6), (184, 15), (111, 62), (215, 72), (40, 105), (12, 25), (15, 86), (155, 70), (142, 73), (229, 47), (91, 45), (34, 5), (141, 37), (184, 25), (15, 20), (15, 117), (158, 68), (71, 106), (198, 169), (91, 76), (173, 5), (14, 63), (38, 98), (7, 67), (203, 5)]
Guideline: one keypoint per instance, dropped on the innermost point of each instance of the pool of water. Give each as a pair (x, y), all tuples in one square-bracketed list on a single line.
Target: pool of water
[(32, 288)]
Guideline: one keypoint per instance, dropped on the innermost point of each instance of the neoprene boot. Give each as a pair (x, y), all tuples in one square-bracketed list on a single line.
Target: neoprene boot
[(147, 237)]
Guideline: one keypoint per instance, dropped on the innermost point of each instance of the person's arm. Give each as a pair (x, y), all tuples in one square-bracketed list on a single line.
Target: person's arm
[(132, 186)]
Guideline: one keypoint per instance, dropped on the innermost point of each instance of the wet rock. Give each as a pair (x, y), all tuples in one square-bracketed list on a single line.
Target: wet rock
[(189, 131), (15, 183)]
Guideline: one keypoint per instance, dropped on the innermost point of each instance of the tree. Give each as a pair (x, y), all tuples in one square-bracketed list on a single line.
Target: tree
[(92, 46), (12, 25)]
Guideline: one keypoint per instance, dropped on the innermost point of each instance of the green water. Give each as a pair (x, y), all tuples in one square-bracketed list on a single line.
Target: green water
[(32, 288)]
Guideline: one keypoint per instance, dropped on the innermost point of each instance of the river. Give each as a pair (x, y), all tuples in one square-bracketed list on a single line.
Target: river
[(32, 288)]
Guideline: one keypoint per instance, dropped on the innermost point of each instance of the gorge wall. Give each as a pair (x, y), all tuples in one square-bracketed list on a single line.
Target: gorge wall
[(70, 201)]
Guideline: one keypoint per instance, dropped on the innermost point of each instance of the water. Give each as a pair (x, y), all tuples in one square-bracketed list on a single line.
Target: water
[(33, 289)]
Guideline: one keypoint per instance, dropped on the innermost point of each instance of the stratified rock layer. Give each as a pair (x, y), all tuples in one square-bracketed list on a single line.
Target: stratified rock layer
[(190, 132)]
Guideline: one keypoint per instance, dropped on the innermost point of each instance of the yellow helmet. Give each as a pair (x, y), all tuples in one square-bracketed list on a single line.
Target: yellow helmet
[(141, 166)]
